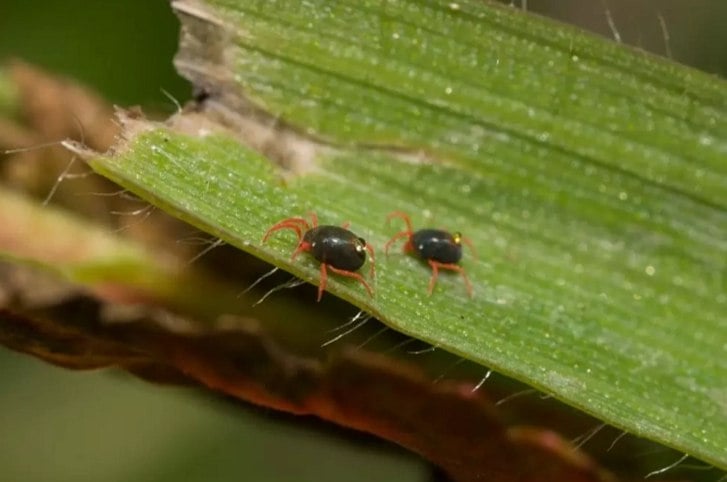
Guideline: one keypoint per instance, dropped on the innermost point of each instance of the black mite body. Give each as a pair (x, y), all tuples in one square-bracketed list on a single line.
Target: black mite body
[(438, 245), (335, 247), (440, 249)]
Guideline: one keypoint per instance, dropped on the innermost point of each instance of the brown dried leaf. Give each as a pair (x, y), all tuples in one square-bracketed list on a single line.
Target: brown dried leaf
[(446, 422)]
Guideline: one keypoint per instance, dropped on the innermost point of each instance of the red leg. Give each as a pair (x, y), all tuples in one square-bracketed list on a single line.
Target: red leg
[(302, 246), (296, 224), (349, 274), (452, 267), (408, 246), (313, 218), (372, 270), (402, 215), (346, 224), (324, 281), (397, 236), (401, 234)]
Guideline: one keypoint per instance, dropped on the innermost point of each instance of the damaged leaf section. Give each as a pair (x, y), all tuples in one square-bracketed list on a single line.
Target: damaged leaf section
[(206, 58)]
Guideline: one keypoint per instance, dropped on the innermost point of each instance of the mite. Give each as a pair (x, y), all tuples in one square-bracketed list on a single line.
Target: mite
[(440, 249), (337, 248)]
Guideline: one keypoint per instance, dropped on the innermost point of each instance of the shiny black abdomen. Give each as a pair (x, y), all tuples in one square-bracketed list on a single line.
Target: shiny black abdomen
[(337, 247), (436, 245)]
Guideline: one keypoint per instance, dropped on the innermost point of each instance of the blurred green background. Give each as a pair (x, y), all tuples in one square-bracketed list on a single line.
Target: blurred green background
[(59, 425)]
